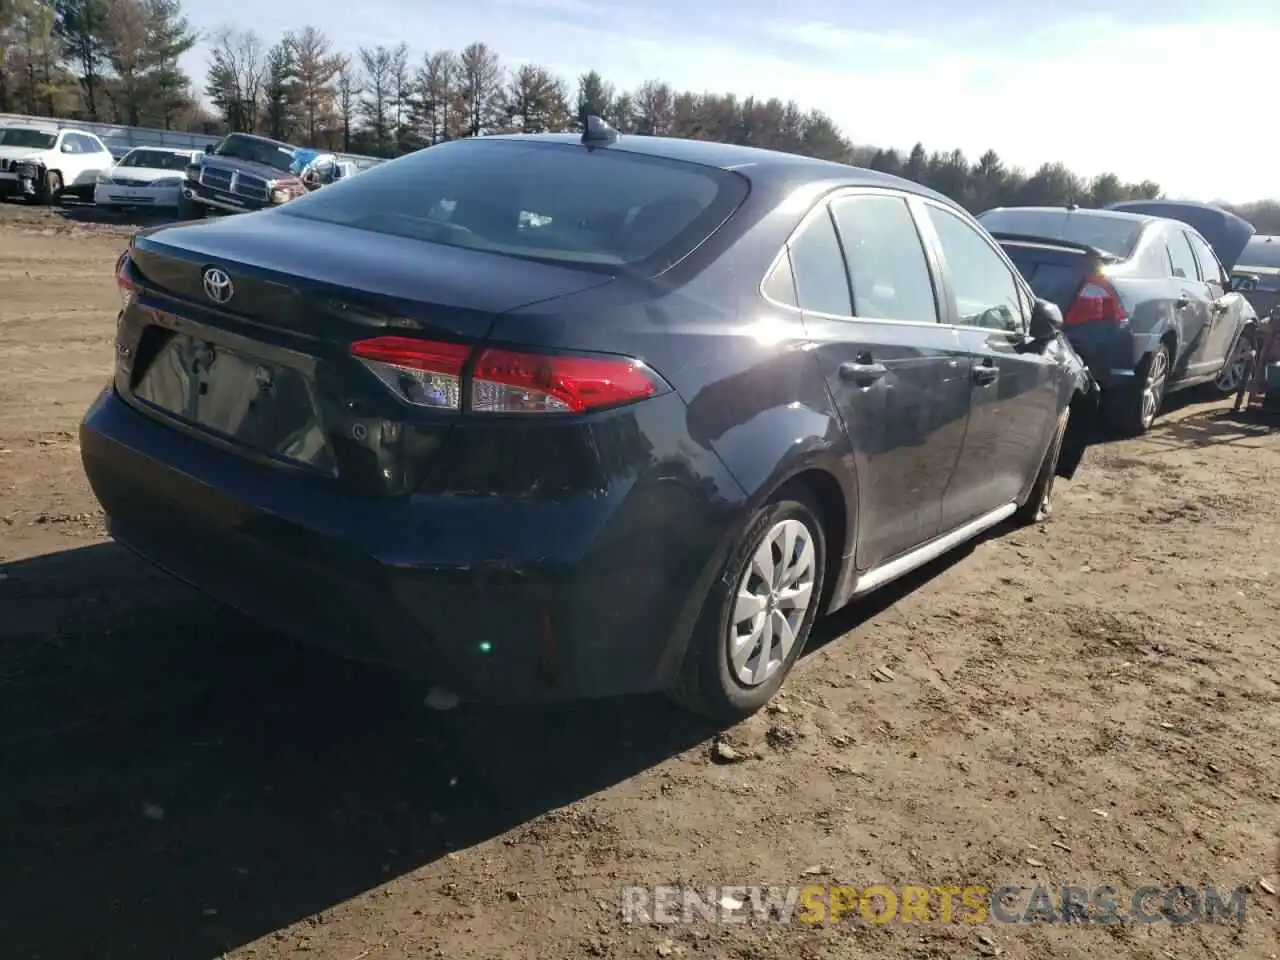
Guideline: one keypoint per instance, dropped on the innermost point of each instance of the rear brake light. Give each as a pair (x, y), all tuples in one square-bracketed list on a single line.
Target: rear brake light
[(1097, 302), (124, 280), (428, 373), (425, 373), (509, 382)]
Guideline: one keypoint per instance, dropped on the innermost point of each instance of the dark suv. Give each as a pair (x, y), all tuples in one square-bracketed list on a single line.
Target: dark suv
[(244, 172)]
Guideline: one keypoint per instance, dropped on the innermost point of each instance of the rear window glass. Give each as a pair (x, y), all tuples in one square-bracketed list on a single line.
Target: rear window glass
[(156, 160), (1260, 252), (540, 201), (22, 137), (256, 151), (1109, 234), (1055, 282)]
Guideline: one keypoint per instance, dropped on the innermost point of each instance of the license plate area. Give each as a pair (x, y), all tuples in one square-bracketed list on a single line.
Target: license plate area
[(267, 407)]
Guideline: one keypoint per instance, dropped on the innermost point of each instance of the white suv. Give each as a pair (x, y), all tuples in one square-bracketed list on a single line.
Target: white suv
[(52, 160)]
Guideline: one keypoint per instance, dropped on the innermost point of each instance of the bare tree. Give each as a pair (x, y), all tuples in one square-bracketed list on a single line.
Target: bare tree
[(401, 89), (655, 106), (348, 90), (237, 70), (436, 106), (481, 86), (376, 67)]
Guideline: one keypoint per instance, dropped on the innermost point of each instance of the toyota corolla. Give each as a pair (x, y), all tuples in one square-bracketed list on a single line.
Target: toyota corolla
[(544, 416)]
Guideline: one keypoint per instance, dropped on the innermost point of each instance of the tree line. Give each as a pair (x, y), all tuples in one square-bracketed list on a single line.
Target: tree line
[(119, 61)]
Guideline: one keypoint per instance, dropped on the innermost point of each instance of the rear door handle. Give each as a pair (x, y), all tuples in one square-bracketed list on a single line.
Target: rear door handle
[(863, 374), (985, 374)]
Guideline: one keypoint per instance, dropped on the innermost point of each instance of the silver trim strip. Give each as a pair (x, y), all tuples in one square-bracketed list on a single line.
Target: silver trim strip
[(878, 576)]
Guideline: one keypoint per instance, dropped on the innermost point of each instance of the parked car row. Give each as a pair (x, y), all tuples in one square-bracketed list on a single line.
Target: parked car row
[(45, 163), (1147, 295), (544, 416)]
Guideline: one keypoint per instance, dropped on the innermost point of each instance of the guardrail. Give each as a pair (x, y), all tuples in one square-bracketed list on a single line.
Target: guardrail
[(120, 139)]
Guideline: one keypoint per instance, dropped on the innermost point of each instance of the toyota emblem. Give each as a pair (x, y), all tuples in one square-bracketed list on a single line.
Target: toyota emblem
[(217, 285)]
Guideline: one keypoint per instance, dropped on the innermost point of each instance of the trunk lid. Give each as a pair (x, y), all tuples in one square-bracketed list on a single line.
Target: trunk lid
[(267, 371), (1055, 269), (1227, 233), (327, 281)]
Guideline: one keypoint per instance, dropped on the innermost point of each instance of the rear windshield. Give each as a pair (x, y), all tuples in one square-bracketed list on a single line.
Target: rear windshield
[(1110, 234), (1261, 252), (19, 137), (256, 151), (555, 202), (1055, 282), (156, 160)]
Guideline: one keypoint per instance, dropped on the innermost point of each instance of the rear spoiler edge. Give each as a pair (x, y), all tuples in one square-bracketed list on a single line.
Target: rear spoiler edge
[(1063, 244)]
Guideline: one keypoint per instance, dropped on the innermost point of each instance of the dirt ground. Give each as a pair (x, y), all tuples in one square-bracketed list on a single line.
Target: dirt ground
[(178, 783)]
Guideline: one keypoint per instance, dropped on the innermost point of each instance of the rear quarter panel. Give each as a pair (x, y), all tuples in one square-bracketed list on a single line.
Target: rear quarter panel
[(753, 394)]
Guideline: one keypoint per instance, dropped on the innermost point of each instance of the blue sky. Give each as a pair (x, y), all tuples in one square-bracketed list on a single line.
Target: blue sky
[(1146, 89)]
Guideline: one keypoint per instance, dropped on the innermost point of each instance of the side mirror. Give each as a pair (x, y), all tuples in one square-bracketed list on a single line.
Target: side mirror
[(1046, 320), (1244, 282), (66, 148)]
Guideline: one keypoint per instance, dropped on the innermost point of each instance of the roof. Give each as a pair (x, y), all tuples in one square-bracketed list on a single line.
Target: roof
[(753, 162), (164, 149), (39, 127), (258, 136)]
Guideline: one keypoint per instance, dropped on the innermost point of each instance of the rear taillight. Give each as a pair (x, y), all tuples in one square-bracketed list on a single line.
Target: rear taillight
[(508, 382), (421, 372), (432, 374), (124, 280), (1097, 302)]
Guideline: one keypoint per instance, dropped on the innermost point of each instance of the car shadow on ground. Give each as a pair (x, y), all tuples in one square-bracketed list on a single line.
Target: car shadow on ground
[(1210, 428), (176, 780)]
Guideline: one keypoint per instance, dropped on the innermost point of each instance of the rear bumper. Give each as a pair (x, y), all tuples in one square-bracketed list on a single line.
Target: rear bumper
[(111, 195), (1111, 354), (496, 601)]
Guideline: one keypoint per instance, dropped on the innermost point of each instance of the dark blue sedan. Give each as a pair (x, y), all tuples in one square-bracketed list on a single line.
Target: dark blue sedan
[(550, 416)]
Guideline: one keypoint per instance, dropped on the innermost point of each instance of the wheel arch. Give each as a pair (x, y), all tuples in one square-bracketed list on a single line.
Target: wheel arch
[(825, 473)]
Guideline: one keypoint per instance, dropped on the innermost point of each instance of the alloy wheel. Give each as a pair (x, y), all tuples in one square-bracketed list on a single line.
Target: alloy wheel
[(1233, 370), (1153, 389), (773, 595)]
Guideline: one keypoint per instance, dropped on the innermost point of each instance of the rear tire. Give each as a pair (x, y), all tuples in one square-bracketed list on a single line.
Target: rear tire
[(189, 209), (1132, 410), (1236, 368), (739, 656), (1039, 504)]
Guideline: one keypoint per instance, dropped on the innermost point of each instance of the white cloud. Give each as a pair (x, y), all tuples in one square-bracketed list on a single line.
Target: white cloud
[(837, 39), (1144, 102)]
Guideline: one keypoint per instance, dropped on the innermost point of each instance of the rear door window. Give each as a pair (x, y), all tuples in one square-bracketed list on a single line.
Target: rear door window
[(822, 285), (1210, 269), (780, 286), (557, 202), (1181, 261), (887, 266)]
